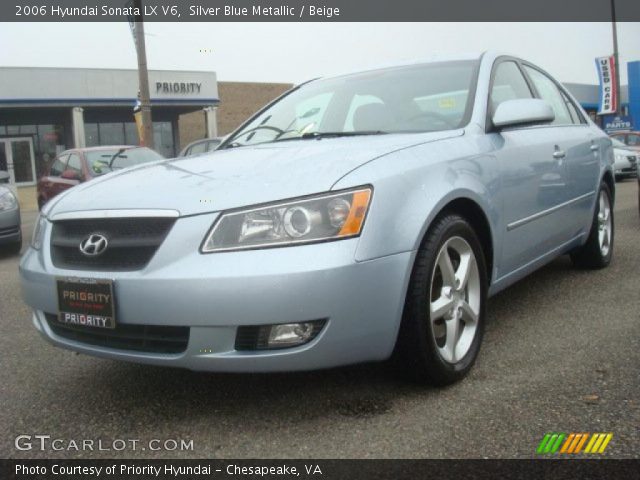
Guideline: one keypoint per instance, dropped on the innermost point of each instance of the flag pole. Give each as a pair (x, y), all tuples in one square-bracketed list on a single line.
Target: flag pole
[(615, 57)]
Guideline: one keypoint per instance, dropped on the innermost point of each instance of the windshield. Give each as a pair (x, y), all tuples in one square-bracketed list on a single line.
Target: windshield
[(419, 98), (104, 161), (618, 144)]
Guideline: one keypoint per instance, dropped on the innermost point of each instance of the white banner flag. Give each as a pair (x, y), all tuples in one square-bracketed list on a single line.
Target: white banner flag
[(608, 89)]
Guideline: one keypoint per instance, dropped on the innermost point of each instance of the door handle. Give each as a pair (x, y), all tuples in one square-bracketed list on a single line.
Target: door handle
[(595, 148), (558, 154)]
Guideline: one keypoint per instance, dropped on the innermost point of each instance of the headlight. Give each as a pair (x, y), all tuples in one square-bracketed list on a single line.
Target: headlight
[(319, 218), (8, 200), (38, 232)]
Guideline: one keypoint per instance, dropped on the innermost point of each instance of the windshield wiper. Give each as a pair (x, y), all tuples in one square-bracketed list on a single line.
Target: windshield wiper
[(311, 135), (341, 134), (115, 156)]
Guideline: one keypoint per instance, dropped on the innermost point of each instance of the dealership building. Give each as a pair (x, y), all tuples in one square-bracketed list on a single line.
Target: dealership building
[(44, 111)]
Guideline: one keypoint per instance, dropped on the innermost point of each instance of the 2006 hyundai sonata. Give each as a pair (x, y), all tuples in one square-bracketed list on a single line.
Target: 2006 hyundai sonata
[(354, 218)]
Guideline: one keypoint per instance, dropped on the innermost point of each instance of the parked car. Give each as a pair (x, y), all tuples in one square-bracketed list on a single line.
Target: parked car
[(375, 227), (625, 160), (10, 226), (630, 139), (200, 146), (78, 165)]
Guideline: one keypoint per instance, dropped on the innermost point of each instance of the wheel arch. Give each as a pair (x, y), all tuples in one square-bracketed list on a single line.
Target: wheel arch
[(609, 179), (471, 211)]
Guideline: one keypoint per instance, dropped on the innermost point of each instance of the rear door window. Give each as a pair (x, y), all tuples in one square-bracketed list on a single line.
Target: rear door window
[(576, 116), (197, 148), (75, 163), (633, 140), (59, 165)]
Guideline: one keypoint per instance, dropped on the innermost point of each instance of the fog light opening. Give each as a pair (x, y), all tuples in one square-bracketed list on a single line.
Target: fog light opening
[(283, 335), (290, 334)]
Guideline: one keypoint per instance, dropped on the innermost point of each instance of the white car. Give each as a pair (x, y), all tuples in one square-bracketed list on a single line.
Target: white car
[(625, 160)]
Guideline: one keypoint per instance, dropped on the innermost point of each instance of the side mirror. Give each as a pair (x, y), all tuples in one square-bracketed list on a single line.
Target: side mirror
[(4, 176), (522, 111), (70, 175)]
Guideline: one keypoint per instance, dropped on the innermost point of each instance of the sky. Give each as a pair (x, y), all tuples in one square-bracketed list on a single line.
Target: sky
[(295, 52)]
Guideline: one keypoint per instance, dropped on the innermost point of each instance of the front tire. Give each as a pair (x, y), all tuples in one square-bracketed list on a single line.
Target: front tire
[(444, 314), (598, 250)]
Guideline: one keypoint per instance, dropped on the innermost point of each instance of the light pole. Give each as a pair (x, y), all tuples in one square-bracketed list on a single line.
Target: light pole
[(615, 57), (143, 77)]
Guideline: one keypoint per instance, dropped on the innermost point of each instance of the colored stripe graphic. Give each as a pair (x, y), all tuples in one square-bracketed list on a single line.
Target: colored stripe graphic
[(606, 441), (556, 445), (583, 439), (592, 441), (567, 443), (573, 443), (543, 443)]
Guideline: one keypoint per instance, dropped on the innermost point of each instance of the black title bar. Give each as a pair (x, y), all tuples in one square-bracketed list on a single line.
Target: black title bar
[(583, 469), (319, 10)]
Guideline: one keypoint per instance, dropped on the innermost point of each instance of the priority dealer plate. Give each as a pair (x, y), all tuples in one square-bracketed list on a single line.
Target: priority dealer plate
[(86, 302)]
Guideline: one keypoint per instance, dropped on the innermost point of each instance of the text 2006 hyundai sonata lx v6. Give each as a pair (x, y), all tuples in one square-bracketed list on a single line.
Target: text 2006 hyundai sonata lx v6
[(354, 219)]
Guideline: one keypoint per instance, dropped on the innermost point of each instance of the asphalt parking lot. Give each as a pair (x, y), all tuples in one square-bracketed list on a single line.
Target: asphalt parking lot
[(561, 354)]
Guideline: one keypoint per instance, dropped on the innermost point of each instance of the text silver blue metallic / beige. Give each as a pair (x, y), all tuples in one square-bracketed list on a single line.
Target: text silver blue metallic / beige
[(356, 218)]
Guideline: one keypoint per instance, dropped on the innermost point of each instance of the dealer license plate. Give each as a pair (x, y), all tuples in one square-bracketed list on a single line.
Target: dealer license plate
[(86, 302)]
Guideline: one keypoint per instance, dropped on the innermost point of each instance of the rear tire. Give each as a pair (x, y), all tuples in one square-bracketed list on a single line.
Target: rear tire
[(444, 313), (598, 250)]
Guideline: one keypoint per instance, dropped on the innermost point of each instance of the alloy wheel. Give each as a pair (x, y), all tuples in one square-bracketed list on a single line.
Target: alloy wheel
[(604, 223), (455, 298)]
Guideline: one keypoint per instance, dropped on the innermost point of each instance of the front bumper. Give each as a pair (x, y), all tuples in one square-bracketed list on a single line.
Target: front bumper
[(625, 168), (10, 226), (214, 294)]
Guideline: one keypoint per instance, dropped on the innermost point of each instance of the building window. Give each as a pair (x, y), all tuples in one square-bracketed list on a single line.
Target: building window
[(91, 137), (126, 133), (131, 134), (163, 138), (111, 134), (48, 141)]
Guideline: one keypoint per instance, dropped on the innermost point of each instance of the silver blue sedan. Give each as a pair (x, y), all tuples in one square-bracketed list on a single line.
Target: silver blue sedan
[(354, 219)]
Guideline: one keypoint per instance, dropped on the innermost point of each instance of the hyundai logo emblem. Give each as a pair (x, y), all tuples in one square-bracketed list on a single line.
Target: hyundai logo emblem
[(93, 245)]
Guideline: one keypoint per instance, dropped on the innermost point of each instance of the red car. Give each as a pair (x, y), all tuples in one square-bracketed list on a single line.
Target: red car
[(630, 139), (78, 165)]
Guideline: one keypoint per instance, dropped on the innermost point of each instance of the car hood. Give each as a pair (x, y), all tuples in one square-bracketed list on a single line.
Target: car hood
[(624, 151), (236, 177)]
